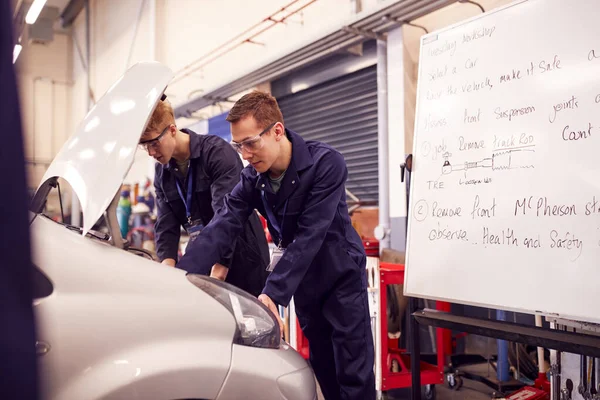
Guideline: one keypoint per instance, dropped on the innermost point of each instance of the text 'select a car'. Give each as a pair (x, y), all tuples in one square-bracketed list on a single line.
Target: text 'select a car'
[(112, 324)]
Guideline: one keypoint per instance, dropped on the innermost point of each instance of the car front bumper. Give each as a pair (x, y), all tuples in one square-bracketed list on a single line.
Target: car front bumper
[(268, 374)]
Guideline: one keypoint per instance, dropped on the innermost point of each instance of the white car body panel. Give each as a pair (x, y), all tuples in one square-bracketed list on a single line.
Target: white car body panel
[(295, 379), (123, 327), (97, 158)]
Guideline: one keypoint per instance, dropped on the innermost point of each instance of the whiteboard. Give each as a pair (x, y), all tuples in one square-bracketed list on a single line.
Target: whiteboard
[(505, 188)]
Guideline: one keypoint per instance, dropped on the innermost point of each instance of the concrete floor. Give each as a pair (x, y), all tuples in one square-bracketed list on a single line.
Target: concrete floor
[(470, 390)]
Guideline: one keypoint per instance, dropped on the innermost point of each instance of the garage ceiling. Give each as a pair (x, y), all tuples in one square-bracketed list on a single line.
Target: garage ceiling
[(432, 14)]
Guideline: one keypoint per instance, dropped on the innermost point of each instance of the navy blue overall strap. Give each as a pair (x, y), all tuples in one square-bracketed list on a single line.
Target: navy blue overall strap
[(188, 198), (271, 217)]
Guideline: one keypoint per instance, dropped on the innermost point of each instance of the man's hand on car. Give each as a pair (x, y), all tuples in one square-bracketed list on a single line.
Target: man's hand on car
[(266, 300), (169, 262), (219, 272)]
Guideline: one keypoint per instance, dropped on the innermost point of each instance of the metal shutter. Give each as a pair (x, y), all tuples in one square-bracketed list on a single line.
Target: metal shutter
[(218, 126), (343, 114)]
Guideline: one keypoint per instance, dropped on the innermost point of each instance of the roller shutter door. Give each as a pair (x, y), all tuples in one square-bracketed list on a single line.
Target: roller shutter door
[(343, 114)]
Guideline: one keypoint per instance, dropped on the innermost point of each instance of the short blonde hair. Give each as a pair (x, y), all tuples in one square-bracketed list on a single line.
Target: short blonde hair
[(162, 116)]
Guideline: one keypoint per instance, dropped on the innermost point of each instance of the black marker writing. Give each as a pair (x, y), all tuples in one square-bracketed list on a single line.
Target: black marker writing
[(440, 233), (440, 212), (516, 74), (472, 118), (432, 122), (570, 104), (544, 66), (483, 212), (462, 145), (513, 112), (470, 63), (477, 85), (507, 237), (569, 134), (547, 66), (446, 47), (543, 208), (568, 241), (478, 34), (531, 243), (438, 73), (592, 207), (435, 185)]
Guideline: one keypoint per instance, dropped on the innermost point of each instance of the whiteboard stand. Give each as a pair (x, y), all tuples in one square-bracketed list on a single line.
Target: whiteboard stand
[(414, 344), (569, 342), (540, 337), (561, 341), (414, 347)]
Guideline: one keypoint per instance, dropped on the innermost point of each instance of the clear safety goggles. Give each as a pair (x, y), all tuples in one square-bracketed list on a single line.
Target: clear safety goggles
[(254, 144), (153, 144)]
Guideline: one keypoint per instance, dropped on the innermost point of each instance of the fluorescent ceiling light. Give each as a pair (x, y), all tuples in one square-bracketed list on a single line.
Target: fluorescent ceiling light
[(34, 11), (16, 52)]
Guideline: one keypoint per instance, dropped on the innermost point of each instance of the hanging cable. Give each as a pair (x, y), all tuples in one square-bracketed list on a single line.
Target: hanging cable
[(474, 3), (240, 39), (416, 26)]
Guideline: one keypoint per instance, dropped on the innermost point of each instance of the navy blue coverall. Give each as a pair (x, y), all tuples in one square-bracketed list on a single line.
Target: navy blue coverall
[(215, 168), (323, 265)]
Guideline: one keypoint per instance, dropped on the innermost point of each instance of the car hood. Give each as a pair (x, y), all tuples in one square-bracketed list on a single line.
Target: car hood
[(97, 157)]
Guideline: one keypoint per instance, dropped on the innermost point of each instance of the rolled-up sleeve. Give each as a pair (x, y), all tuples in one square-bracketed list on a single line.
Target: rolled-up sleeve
[(167, 228)]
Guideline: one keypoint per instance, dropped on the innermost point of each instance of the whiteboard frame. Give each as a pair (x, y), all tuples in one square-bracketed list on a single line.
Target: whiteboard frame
[(545, 313)]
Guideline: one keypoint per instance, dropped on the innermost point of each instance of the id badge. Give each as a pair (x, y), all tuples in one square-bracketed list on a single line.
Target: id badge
[(193, 229), (275, 257)]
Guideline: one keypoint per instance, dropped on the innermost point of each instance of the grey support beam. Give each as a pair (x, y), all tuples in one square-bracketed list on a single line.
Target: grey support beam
[(71, 11), (377, 23)]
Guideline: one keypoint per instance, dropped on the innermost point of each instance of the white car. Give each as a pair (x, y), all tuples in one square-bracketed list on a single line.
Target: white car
[(112, 324)]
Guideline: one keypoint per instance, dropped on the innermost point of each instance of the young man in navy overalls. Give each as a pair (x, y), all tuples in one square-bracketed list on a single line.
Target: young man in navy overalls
[(299, 187)]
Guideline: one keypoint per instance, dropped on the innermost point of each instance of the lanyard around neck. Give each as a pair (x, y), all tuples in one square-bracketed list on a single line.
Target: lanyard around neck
[(188, 198)]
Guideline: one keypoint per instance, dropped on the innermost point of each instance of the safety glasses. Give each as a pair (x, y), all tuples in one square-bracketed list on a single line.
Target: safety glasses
[(153, 143), (254, 144)]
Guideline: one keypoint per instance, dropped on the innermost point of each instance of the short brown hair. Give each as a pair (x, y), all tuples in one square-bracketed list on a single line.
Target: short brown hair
[(162, 116), (260, 105)]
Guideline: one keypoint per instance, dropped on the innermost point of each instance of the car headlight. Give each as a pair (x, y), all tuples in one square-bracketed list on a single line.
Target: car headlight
[(256, 325)]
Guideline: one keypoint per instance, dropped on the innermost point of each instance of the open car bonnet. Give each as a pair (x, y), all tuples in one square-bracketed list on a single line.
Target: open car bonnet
[(97, 157)]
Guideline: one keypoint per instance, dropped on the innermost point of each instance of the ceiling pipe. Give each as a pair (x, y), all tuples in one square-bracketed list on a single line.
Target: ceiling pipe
[(378, 22), (237, 41), (71, 11), (232, 40)]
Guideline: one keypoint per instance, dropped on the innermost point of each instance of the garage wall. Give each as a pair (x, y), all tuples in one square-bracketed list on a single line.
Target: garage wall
[(45, 86), (114, 47)]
